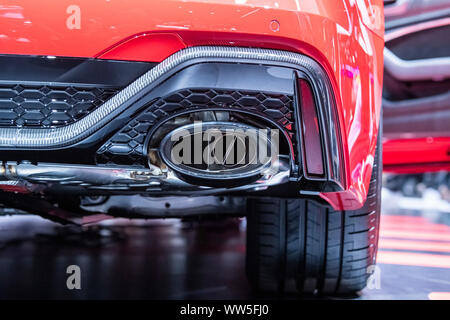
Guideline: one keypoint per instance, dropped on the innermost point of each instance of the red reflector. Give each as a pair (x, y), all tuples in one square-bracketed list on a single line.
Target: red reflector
[(312, 146)]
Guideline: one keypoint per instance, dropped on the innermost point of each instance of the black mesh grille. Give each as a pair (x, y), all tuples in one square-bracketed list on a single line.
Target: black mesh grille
[(127, 146), (48, 106)]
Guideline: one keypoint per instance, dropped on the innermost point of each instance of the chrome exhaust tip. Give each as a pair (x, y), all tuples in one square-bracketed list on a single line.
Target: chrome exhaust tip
[(221, 153)]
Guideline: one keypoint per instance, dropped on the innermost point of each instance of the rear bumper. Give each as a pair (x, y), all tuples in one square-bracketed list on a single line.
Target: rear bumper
[(351, 58), (197, 77)]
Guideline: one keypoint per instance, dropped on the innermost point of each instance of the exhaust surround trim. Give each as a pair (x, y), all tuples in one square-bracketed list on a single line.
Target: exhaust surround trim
[(81, 130)]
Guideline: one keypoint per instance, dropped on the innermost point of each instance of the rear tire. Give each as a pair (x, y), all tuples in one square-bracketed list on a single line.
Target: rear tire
[(302, 246)]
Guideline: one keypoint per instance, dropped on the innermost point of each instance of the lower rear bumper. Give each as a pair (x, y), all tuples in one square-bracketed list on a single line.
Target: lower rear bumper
[(117, 131)]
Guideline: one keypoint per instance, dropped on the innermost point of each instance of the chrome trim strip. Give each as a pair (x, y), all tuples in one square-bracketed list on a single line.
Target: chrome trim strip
[(31, 138), (400, 32), (124, 179), (413, 70)]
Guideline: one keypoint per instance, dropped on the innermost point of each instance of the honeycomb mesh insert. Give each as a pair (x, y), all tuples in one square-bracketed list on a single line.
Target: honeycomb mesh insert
[(24, 105)]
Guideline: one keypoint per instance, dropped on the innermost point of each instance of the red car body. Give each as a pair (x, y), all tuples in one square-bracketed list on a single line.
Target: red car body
[(416, 155), (344, 37)]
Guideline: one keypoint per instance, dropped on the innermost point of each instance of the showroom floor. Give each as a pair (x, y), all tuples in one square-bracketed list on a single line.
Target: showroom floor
[(170, 259)]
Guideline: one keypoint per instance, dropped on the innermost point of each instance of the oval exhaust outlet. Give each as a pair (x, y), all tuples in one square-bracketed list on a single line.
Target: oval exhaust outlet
[(221, 153)]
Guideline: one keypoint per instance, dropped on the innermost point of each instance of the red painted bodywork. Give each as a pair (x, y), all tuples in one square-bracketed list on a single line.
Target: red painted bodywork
[(416, 155), (345, 37)]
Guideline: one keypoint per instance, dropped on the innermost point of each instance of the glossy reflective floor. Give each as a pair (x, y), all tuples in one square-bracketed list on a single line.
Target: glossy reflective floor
[(170, 259)]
